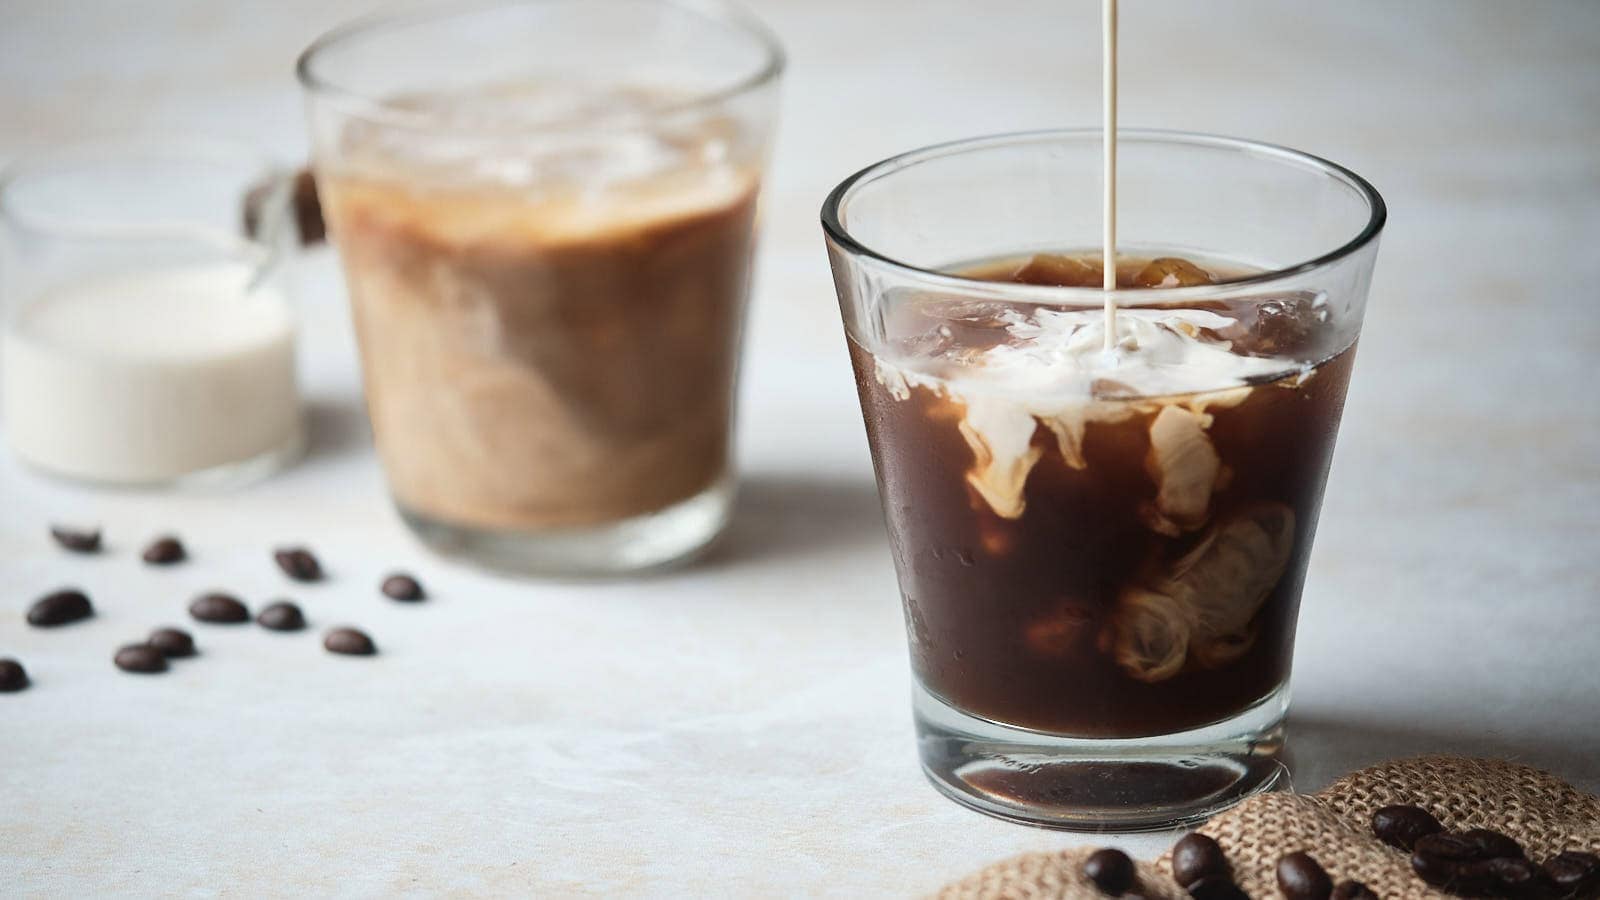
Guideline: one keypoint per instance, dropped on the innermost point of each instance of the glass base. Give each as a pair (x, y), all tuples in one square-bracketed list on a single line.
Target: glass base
[(221, 477), (1100, 784), (651, 541)]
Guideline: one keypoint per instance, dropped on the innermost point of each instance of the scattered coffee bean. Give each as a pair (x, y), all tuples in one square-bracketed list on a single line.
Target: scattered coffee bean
[(281, 615), (1574, 873), (218, 607), (1111, 871), (350, 642), (1301, 878), (172, 642), (1400, 826), (1216, 887), (1197, 856), (299, 564), (141, 658), (1353, 890), (1492, 844), (165, 551), (59, 608), (402, 587), (76, 541), (13, 677)]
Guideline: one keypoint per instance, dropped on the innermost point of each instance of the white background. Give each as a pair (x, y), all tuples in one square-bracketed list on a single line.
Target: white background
[(741, 728)]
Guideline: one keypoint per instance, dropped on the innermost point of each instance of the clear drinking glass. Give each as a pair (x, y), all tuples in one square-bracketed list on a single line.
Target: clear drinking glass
[(1101, 557), (545, 211), (148, 333)]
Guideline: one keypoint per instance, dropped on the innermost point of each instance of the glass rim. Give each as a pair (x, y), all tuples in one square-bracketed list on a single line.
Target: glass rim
[(83, 155), (385, 111), (839, 234)]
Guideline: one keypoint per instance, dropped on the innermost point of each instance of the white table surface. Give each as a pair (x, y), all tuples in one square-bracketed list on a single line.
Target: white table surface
[(741, 728)]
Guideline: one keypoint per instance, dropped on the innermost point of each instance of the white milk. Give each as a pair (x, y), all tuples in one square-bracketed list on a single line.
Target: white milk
[(150, 375)]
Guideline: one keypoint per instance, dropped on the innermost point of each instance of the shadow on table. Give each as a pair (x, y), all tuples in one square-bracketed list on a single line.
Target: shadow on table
[(336, 426), (1324, 747), (797, 515)]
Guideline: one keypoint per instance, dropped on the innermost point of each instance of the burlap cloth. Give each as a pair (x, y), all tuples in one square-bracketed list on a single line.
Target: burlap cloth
[(1545, 814)]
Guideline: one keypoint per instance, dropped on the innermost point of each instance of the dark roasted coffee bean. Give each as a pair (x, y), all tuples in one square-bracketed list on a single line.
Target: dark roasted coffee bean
[(13, 677), (1475, 879), (1301, 878), (402, 587), (350, 642), (1492, 844), (59, 608), (164, 552), (1400, 826), (141, 658), (76, 541), (172, 642), (1574, 873), (1353, 890), (299, 564), (1447, 861), (1111, 871), (217, 607), (1197, 856), (1516, 876), (1216, 887), (281, 615), (1449, 846)]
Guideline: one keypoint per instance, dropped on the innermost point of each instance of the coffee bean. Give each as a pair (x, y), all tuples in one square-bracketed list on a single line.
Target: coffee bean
[(1437, 858), (172, 642), (76, 541), (349, 641), (1301, 878), (1515, 876), (299, 564), (59, 608), (1443, 860), (141, 658), (1400, 826), (1216, 887), (1492, 844), (13, 677), (1197, 856), (402, 587), (1111, 871), (164, 552), (281, 616), (220, 608), (1353, 890), (1574, 873)]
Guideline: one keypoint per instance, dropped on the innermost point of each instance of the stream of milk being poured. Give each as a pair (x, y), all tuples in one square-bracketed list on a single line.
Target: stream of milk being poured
[(1108, 111)]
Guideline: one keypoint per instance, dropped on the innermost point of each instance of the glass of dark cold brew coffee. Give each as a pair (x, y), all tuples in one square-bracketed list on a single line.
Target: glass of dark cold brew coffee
[(1101, 551)]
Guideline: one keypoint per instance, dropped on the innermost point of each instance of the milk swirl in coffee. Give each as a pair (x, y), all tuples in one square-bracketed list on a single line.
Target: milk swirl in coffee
[(549, 317), (1104, 543)]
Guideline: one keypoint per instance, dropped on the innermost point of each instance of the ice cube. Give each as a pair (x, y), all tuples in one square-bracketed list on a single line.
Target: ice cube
[(1059, 271), (1294, 325), (1058, 633), (1171, 271)]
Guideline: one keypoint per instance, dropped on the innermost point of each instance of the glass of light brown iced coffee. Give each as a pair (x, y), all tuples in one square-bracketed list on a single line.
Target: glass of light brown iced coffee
[(545, 211)]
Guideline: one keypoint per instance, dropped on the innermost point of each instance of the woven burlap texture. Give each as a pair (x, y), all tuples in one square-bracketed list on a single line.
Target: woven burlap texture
[(1545, 814)]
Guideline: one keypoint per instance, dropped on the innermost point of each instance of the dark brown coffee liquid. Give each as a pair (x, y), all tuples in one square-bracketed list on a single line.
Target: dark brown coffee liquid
[(1079, 617)]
